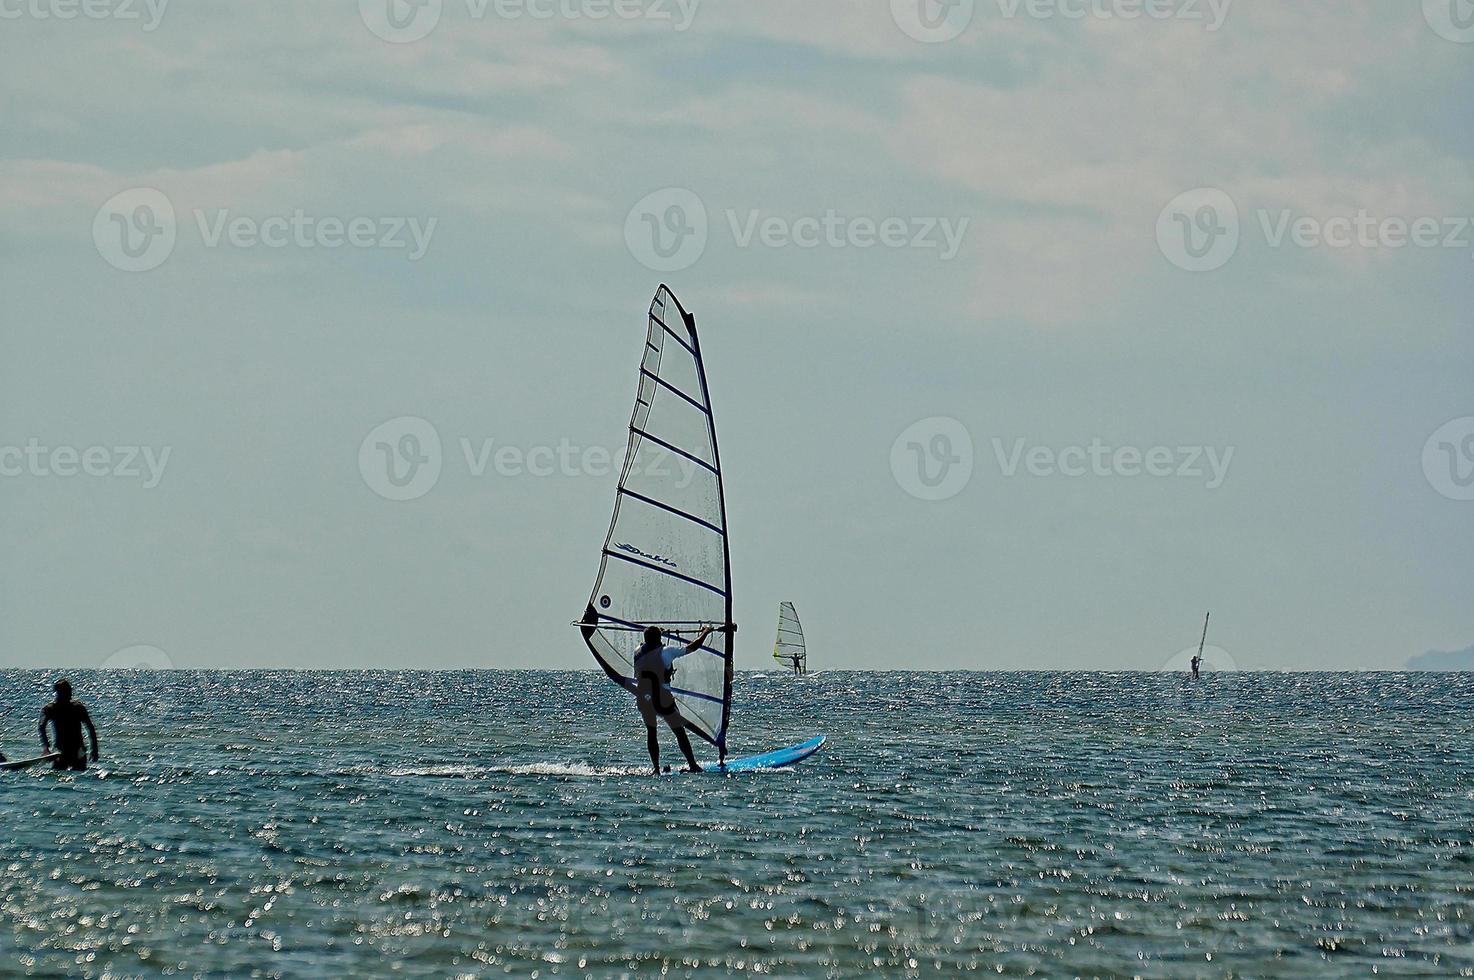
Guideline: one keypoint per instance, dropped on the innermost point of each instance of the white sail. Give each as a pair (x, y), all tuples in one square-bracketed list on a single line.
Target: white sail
[(665, 560), (789, 647)]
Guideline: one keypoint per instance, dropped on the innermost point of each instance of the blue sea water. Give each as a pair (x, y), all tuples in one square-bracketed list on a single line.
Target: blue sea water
[(503, 823)]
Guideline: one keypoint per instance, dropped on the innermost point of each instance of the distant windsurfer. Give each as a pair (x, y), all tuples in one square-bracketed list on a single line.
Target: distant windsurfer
[(654, 666), (1197, 662), (67, 719)]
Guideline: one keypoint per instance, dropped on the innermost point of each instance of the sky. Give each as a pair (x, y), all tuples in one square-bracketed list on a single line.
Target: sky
[(1034, 330)]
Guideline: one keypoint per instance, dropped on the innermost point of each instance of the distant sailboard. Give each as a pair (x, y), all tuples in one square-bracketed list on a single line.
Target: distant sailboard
[(665, 560), (789, 648)]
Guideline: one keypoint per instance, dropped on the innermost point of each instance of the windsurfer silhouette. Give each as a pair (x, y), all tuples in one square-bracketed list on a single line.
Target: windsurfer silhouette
[(1197, 662), (654, 666), (67, 718)]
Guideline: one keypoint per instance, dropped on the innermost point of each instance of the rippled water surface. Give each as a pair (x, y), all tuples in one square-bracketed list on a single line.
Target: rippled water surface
[(301, 824)]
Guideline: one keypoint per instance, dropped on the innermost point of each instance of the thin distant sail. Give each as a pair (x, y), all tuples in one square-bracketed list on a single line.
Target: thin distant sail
[(665, 560), (790, 642)]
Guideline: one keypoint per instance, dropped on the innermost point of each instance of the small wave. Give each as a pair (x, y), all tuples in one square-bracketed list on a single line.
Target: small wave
[(570, 769), (452, 772)]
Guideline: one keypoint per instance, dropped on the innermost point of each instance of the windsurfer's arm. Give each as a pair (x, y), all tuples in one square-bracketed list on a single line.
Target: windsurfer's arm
[(45, 739), (91, 732), (695, 644)]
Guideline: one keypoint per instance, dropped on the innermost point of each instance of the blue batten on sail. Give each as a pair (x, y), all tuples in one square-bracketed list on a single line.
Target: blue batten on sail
[(668, 537)]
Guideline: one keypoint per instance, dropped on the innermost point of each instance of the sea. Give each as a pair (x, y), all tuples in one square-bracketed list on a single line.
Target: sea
[(504, 823)]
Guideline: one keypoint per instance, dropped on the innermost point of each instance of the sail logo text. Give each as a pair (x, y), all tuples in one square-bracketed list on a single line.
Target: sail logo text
[(631, 549), (1207, 463)]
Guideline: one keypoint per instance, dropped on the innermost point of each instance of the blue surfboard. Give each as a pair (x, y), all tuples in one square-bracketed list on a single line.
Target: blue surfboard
[(776, 759)]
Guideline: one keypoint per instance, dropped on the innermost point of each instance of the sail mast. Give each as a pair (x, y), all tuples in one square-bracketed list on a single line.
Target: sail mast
[(728, 627)]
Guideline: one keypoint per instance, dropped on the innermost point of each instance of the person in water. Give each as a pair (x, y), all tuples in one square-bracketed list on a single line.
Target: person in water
[(67, 719), (1197, 662), (654, 666)]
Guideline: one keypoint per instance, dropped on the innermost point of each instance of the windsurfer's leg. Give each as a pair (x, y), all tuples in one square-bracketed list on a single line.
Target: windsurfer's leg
[(652, 742), (679, 727), (645, 701)]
